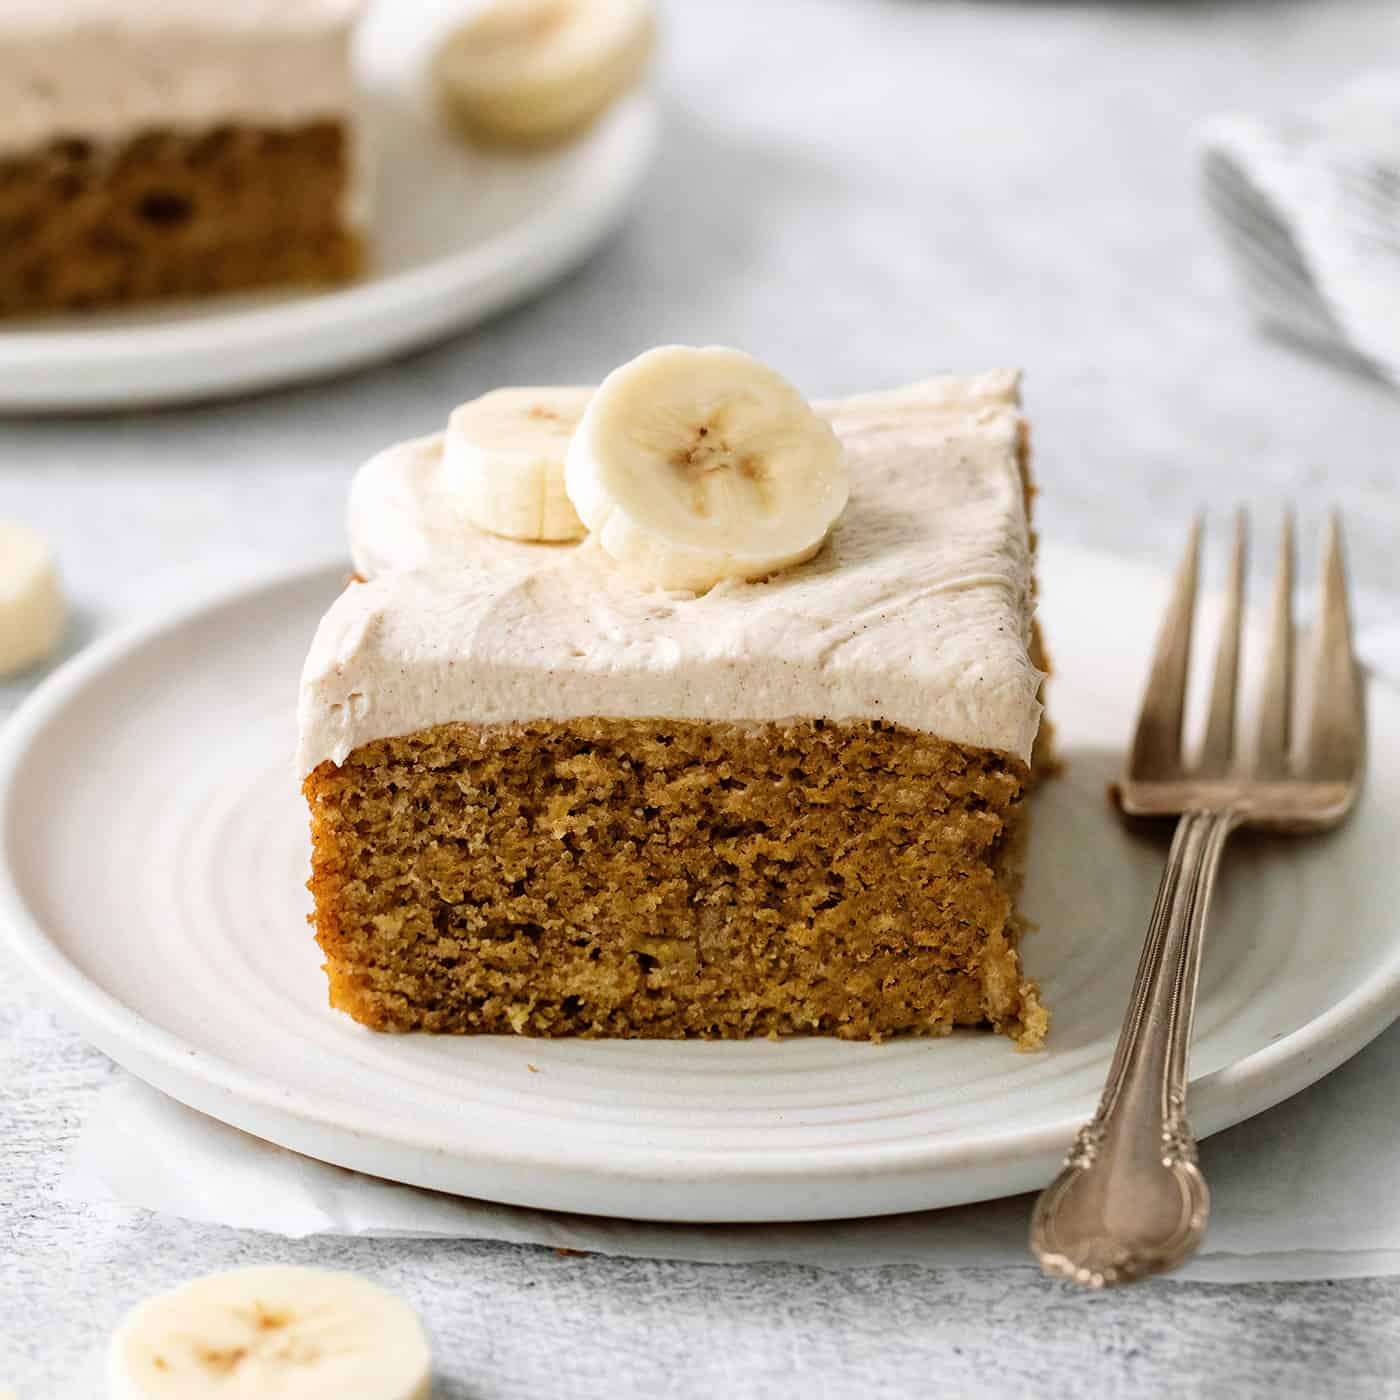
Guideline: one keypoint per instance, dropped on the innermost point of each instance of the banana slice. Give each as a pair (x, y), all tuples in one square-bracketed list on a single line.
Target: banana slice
[(533, 72), (503, 457), (691, 466), (274, 1334), (32, 610)]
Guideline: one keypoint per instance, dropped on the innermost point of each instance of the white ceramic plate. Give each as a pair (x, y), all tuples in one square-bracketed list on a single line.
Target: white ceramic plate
[(457, 236), (152, 853)]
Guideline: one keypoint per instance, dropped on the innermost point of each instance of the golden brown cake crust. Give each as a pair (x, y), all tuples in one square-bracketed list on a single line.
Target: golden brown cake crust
[(665, 878), (174, 214)]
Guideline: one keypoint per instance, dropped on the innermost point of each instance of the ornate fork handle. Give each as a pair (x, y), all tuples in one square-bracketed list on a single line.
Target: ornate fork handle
[(1130, 1200)]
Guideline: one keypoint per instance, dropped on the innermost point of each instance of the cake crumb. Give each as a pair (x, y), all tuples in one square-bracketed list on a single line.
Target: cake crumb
[(173, 213), (672, 879)]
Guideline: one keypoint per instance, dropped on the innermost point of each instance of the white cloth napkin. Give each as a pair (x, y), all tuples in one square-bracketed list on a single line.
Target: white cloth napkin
[(1309, 207)]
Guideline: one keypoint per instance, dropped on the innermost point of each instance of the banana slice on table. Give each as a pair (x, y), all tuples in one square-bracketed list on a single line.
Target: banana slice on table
[(274, 1334), (503, 457), (32, 611), (532, 72), (692, 466)]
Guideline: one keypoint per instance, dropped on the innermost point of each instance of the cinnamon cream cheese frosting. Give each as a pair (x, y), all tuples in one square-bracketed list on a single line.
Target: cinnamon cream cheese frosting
[(107, 70), (917, 611)]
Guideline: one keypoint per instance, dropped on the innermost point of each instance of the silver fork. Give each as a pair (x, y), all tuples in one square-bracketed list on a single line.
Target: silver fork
[(1131, 1200)]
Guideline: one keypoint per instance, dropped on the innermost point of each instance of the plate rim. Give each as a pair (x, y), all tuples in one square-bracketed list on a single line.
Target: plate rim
[(207, 1082), (228, 352)]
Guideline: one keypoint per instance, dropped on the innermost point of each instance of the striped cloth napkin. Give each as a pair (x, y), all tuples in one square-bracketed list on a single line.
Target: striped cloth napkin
[(1309, 207)]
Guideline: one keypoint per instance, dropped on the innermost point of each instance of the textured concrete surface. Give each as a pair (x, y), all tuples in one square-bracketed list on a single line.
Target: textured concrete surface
[(863, 192), (510, 1321)]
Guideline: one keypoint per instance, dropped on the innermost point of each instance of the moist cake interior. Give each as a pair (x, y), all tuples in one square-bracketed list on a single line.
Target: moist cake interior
[(173, 213), (666, 878)]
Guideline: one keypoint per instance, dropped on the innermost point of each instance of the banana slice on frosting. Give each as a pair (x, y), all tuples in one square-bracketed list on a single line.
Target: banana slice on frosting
[(503, 457), (32, 611), (533, 72), (274, 1334), (696, 465)]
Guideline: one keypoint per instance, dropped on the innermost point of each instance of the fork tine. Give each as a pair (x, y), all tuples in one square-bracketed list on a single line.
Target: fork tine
[(1335, 729), (1156, 751), (1219, 746), (1276, 705)]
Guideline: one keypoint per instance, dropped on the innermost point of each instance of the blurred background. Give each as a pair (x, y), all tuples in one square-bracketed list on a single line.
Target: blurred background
[(862, 192)]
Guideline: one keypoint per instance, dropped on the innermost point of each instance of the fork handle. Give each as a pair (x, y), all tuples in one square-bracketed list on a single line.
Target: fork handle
[(1131, 1200)]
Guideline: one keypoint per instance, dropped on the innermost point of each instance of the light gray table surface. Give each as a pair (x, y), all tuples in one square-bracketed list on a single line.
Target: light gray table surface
[(862, 192)]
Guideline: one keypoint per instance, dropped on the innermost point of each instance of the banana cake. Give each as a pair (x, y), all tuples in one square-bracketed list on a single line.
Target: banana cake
[(174, 149), (683, 708)]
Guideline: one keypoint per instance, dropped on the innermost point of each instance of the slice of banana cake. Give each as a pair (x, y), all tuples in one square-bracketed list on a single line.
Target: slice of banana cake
[(175, 149), (682, 708)]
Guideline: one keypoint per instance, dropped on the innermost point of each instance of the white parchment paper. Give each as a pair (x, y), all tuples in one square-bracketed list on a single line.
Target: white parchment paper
[(1310, 1189)]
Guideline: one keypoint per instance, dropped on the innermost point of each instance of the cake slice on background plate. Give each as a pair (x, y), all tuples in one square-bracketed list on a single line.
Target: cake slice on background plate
[(749, 757), (174, 149)]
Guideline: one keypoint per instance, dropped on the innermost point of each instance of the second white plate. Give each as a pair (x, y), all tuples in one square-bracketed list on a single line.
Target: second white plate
[(152, 856), (456, 237)]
